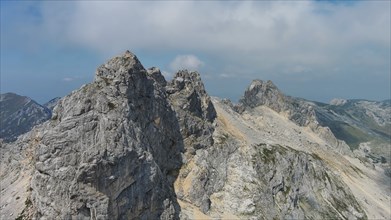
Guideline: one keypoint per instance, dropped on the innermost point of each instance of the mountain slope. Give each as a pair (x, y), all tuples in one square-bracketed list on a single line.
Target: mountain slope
[(355, 122), (360, 123), (18, 114), (262, 125)]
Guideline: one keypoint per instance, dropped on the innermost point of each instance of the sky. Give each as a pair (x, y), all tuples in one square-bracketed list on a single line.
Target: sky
[(318, 50)]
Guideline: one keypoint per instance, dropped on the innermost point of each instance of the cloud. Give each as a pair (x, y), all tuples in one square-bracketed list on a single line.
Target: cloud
[(68, 79), (189, 62), (297, 31), (72, 78), (262, 34), (247, 39)]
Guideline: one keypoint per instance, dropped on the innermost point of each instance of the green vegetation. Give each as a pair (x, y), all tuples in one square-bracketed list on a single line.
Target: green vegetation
[(351, 135), (353, 124), (268, 155)]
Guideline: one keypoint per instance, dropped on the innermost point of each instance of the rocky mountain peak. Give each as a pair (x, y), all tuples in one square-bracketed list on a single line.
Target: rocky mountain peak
[(301, 112), (263, 93), (194, 109), (119, 67), (264, 85), (338, 101), (189, 84), (185, 79)]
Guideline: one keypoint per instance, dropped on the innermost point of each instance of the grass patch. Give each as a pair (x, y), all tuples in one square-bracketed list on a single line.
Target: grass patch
[(268, 155), (351, 135)]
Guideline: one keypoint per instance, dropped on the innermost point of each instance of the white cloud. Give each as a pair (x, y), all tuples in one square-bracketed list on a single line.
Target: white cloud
[(262, 34), (68, 79), (189, 62), (71, 78), (247, 39)]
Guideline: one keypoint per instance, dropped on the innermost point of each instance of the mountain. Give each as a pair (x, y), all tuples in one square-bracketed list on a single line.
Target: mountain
[(365, 126), (302, 112), (131, 145), (19, 114), (52, 103)]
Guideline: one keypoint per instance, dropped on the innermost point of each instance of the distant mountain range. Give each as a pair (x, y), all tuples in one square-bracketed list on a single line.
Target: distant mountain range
[(357, 121), (360, 123)]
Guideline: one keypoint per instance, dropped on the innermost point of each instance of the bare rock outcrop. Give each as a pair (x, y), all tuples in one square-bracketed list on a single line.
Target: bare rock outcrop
[(194, 109)]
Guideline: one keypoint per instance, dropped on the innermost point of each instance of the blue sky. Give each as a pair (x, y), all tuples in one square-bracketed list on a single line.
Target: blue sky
[(317, 50)]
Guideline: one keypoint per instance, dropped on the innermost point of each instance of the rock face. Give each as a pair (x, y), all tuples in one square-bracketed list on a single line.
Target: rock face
[(194, 109), (131, 145), (19, 114), (110, 150), (282, 183), (196, 115)]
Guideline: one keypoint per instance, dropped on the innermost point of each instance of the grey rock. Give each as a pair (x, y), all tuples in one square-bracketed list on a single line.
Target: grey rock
[(110, 152), (194, 109)]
